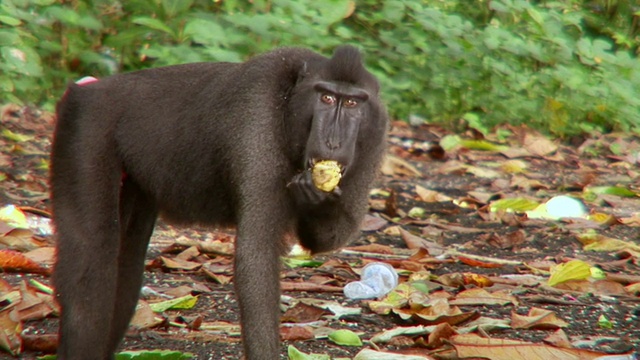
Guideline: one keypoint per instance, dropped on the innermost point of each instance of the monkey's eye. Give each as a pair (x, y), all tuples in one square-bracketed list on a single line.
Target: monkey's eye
[(328, 99), (350, 102)]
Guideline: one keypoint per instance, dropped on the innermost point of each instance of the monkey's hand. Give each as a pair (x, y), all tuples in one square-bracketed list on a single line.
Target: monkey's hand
[(305, 192)]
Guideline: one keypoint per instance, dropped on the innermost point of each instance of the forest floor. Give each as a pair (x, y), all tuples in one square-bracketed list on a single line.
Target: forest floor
[(481, 278)]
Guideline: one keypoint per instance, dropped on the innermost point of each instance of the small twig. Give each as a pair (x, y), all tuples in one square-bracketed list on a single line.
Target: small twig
[(484, 258), (374, 255)]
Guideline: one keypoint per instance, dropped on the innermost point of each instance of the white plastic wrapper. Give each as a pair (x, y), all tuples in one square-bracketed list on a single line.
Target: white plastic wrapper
[(378, 279)]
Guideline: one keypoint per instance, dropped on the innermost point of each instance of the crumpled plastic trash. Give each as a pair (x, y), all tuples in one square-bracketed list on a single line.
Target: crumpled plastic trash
[(377, 280)]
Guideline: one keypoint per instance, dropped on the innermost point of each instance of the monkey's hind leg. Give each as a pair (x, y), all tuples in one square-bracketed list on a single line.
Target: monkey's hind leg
[(138, 215), (85, 194)]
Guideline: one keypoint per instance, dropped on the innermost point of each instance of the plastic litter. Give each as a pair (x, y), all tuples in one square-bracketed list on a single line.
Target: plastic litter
[(39, 225), (377, 280)]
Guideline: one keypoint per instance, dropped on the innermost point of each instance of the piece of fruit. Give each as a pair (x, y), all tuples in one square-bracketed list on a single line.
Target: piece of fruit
[(326, 175)]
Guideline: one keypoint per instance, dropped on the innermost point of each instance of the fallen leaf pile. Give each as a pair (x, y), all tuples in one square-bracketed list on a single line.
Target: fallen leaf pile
[(507, 246)]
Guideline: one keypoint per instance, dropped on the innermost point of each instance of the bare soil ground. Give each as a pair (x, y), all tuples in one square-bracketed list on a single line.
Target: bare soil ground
[(465, 246)]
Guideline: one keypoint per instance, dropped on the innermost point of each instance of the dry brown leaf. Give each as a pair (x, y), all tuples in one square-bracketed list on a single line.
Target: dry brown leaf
[(622, 278), (420, 255), (322, 279), (600, 287), (222, 327), (13, 261), (34, 305), (179, 264), (10, 330), (303, 313), (453, 167), (604, 243), (453, 228), (218, 278), (436, 338), (483, 172), (560, 339), (427, 195), (522, 182), (469, 345), (217, 247), (633, 220), (538, 145), (528, 280), (296, 333), (395, 166), (372, 223), (219, 265), (391, 206), (5, 161), (308, 286), (400, 354), (515, 152), (192, 322), (43, 343), (44, 255), (451, 279), (432, 232), (180, 291), (20, 240), (413, 266), (189, 253), (482, 197), (372, 248), (144, 317), (438, 311), (540, 319), (504, 241), (452, 319), (478, 263), (514, 166), (392, 231), (483, 297), (633, 289), (416, 242), (477, 280)]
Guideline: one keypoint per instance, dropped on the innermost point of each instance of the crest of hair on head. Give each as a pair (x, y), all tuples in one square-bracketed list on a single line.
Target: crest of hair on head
[(346, 65)]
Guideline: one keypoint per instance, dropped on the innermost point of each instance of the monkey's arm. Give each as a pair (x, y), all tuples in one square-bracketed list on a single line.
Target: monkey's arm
[(334, 219), (306, 195)]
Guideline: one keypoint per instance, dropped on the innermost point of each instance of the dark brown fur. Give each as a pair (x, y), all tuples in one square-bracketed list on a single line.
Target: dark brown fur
[(209, 143)]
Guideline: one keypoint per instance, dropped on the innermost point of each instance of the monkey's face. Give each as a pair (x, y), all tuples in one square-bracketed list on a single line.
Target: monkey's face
[(339, 111)]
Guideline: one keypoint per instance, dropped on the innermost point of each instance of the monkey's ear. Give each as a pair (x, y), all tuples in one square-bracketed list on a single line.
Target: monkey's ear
[(304, 72)]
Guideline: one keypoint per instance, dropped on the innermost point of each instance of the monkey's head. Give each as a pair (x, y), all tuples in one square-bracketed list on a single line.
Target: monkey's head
[(342, 109)]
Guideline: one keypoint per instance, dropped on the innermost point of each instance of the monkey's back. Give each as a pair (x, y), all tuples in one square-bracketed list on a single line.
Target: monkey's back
[(175, 128)]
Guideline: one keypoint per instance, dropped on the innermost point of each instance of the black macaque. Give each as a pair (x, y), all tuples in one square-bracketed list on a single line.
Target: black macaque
[(206, 143)]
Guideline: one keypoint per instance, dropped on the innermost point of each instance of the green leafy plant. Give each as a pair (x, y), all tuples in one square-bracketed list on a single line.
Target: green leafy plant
[(508, 61), (565, 67)]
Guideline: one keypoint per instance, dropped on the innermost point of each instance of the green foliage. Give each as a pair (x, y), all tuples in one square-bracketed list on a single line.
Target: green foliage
[(562, 66), (507, 61)]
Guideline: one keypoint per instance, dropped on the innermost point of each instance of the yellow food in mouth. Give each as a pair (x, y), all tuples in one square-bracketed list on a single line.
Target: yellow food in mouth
[(326, 175)]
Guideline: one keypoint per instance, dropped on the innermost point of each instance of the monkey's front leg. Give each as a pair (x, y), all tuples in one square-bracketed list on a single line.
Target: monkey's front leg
[(256, 276)]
